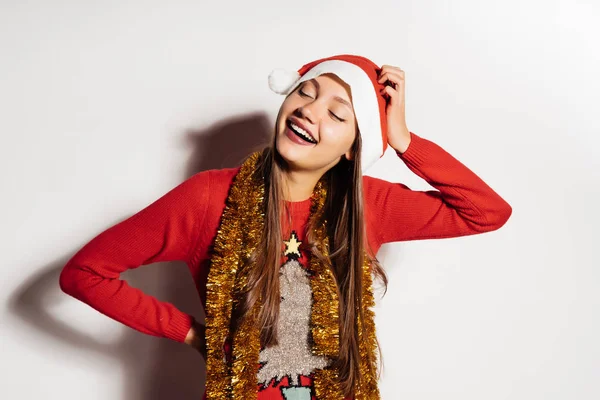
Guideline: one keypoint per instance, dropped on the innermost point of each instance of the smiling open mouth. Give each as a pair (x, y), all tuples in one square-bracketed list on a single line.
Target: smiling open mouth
[(301, 133)]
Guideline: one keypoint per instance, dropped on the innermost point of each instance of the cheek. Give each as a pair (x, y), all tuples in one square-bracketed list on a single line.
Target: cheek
[(339, 136), (284, 111)]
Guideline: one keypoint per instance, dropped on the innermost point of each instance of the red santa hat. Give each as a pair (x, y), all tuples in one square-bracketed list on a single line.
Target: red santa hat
[(369, 104)]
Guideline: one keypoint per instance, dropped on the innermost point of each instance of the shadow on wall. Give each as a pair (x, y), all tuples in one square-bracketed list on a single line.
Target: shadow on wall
[(155, 369)]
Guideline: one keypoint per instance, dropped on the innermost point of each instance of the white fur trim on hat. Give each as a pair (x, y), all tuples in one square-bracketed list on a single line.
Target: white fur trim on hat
[(282, 80)]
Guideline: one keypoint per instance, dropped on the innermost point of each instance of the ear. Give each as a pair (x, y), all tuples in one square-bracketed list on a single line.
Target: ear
[(349, 155)]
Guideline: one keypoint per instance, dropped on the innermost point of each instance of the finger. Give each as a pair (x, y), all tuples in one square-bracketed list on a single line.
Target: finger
[(391, 68), (389, 76), (392, 77), (398, 72), (394, 72), (392, 95)]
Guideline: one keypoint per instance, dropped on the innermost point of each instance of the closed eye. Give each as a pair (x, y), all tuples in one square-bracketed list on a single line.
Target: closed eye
[(302, 93), (336, 117)]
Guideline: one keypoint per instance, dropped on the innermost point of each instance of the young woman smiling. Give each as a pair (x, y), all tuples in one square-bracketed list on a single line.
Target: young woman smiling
[(282, 248)]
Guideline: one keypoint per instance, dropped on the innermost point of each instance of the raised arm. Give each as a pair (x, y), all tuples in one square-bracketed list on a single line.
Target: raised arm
[(165, 230), (463, 203)]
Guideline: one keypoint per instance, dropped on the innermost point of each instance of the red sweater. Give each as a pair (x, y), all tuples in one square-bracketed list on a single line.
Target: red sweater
[(183, 223)]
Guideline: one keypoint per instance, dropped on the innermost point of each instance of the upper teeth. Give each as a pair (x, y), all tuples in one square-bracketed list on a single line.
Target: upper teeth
[(302, 132)]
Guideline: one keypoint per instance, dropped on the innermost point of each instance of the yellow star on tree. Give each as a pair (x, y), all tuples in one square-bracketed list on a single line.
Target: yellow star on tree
[(292, 246)]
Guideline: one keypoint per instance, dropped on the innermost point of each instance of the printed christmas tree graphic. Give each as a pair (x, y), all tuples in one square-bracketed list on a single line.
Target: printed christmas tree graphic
[(291, 357)]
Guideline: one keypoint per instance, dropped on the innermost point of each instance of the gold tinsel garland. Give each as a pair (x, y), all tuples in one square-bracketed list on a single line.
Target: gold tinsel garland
[(238, 235)]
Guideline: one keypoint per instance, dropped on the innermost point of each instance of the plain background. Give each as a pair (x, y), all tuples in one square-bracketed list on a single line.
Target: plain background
[(105, 106)]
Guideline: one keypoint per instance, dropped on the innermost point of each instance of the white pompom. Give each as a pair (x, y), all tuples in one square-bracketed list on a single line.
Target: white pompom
[(281, 80)]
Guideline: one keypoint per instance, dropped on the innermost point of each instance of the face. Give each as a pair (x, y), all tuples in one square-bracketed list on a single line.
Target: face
[(316, 125)]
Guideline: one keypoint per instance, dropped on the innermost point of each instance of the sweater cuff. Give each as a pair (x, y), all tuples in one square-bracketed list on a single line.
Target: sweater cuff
[(179, 326), (417, 152)]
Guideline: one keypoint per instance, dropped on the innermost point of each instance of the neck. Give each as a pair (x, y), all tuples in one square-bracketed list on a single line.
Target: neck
[(299, 185)]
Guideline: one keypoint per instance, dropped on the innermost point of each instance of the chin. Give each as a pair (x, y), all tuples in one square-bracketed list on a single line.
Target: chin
[(294, 155), (289, 152)]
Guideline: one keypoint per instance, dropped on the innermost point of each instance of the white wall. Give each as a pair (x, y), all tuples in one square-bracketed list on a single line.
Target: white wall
[(107, 105)]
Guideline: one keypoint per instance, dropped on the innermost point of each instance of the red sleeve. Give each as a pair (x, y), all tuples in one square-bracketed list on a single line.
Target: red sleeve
[(165, 230), (463, 204)]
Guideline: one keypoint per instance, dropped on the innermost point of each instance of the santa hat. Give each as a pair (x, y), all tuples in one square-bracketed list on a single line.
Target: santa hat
[(361, 75)]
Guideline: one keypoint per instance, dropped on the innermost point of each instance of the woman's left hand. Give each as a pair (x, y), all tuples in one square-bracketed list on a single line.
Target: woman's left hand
[(397, 131)]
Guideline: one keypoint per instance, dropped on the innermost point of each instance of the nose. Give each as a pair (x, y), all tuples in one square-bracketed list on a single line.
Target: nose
[(308, 112)]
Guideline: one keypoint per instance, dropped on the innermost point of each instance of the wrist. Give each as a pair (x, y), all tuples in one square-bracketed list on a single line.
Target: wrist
[(400, 146), (189, 338), (195, 336)]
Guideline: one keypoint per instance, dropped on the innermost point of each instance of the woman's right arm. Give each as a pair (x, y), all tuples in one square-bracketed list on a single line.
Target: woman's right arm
[(166, 230)]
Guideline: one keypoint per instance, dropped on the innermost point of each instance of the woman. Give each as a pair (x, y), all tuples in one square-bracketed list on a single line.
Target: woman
[(282, 249)]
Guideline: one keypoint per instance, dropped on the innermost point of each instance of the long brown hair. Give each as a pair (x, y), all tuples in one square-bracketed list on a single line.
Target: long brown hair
[(344, 211)]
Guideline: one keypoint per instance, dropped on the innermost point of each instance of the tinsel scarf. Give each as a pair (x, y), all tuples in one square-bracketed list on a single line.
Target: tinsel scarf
[(239, 233)]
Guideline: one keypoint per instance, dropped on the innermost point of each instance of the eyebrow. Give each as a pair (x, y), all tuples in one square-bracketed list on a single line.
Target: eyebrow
[(337, 98)]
